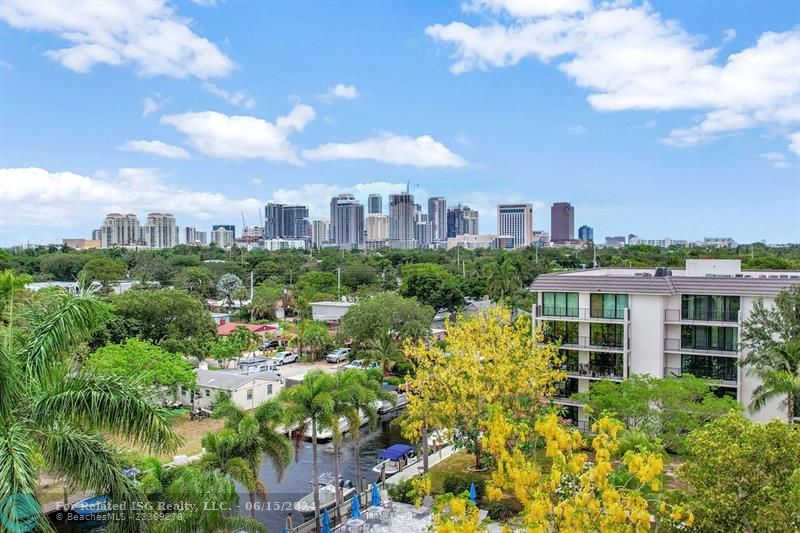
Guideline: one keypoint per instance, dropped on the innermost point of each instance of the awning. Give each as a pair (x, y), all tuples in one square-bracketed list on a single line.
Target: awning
[(395, 451)]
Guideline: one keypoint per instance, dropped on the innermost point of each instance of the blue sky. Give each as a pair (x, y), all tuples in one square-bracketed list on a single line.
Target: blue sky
[(670, 119)]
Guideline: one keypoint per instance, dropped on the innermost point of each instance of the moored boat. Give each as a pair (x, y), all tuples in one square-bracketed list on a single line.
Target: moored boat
[(92, 506), (396, 457), (327, 495), (387, 406)]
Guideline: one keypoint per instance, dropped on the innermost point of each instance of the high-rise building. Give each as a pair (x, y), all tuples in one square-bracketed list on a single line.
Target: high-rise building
[(161, 231), (401, 220), (586, 234), (285, 221), (461, 220), (120, 230), (615, 242), (222, 236), (613, 323), (516, 220), (347, 222), (423, 233), (374, 204), (437, 215), (562, 222), (192, 235), (229, 227), (320, 233), (253, 232), (377, 229), (96, 234)]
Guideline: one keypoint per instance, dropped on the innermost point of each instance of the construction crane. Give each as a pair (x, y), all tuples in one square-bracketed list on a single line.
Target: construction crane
[(244, 224)]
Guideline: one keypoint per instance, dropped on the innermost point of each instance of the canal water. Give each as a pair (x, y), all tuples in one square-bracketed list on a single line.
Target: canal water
[(296, 480)]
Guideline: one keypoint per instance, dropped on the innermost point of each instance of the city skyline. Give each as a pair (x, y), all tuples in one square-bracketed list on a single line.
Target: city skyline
[(86, 135)]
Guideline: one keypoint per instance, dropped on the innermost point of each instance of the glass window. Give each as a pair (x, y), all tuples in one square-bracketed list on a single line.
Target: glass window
[(208, 393), (611, 335), (608, 305), (566, 388), (605, 364), (269, 388), (704, 307), (249, 394), (560, 304), (709, 338), (704, 366), (566, 332)]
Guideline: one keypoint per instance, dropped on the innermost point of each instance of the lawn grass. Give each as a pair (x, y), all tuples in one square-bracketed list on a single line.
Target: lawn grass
[(458, 463)]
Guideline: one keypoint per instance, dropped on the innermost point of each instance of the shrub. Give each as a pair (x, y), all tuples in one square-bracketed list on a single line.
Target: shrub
[(502, 511), (403, 492), (459, 483)]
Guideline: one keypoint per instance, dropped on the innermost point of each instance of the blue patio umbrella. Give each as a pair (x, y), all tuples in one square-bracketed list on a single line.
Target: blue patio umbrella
[(326, 522), (285, 530), (472, 496), (376, 497), (355, 512)]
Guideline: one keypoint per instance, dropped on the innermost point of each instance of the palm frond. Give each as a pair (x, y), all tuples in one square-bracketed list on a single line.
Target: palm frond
[(18, 472), (244, 523), (110, 404), (279, 450)]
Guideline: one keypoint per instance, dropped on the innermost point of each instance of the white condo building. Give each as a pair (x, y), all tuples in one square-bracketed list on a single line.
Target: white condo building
[(161, 231), (120, 230), (516, 220), (615, 322), (222, 237)]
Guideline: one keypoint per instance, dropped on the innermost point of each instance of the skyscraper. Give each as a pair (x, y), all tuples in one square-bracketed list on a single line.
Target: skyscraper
[(229, 227), (347, 222), (285, 221), (375, 204), (586, 233), (562, 222), (320, 233), (161, 231), (273, 220), (516, 220), (222, 236), (192, 235), (401, 220), (461, 220), (437, 216), (120, 230), (377, 229)]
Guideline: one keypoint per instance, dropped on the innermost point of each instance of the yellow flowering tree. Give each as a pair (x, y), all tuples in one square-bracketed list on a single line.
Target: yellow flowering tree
[(491, 363)]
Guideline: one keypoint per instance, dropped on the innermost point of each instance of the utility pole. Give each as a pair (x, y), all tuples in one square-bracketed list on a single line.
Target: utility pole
[(338, 281), (251, 286)]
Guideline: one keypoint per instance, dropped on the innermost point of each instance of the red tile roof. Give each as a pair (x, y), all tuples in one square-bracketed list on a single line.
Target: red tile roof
[(230, 327)]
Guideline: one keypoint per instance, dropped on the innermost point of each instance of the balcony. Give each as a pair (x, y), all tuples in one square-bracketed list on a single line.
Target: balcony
[(677, 316), (587, 343), (579, 314), (587, 370), (677, 346), (726, 377)]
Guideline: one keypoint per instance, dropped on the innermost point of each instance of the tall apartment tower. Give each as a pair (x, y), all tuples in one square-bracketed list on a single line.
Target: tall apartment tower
[(377, 229), (222, 236), (402, 214), (161, 231), (229, 227), (375, 204), (285, 221), (347, 222), (562, 222), (437, 216), (120, 230), (461, 220), (273, 220), (516, 220), (192, 235), (320, 233), (586, 233)]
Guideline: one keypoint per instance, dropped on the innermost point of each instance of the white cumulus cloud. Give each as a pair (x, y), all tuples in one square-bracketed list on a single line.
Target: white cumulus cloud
[(794, 142), (422, 151), (158, 148), (145, 33), (243, 137), (340, 90), (630, 58), (237, 98), (776, 159)]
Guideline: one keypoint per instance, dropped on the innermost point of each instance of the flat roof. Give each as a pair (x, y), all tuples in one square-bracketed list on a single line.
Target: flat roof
[(330, 302), (219, 379)]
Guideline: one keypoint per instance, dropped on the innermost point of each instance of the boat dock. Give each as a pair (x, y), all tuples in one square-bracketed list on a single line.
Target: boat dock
[(416, 469)]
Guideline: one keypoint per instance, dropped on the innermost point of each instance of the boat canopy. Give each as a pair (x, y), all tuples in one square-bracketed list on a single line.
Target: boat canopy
[(395, 451)]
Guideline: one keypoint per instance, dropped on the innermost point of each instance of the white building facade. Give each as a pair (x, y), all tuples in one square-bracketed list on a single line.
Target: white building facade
[(161, 231), (516, 220), (616, 322)]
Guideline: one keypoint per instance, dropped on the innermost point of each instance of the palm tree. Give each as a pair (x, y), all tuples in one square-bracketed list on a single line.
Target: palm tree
[(502, 278), (780, 378), (238, 450), (383, 349), (312, 402), (53, 412), (204, 497), (343, 407)]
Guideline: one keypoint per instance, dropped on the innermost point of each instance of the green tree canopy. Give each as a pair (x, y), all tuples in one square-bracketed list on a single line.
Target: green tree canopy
[(63, 266), (664, 409), (744, 476), (104, 270), (404, 317), (135, 359), (170, 318), (196, 280), (431, 285)]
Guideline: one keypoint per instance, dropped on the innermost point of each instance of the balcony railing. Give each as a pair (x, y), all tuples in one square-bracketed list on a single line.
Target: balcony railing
[(677, 315), (677, 345), (730, 376), (593, 371), (579, 313)]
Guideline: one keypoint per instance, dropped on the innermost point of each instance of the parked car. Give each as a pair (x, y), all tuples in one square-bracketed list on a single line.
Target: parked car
[(338, 356), (284, 358), (360, 364), (269, 345)]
